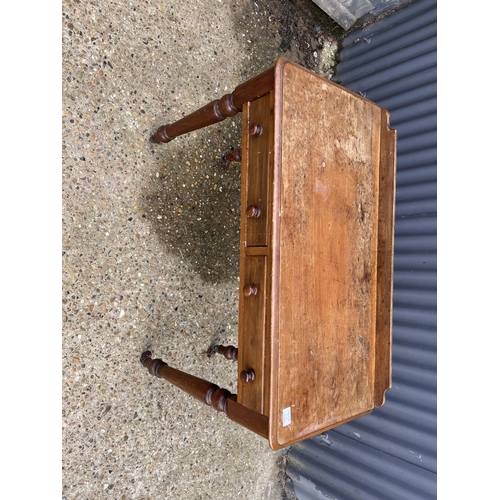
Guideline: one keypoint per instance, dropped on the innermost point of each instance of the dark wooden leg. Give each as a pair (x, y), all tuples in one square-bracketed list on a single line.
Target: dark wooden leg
[(212, 113), (229, 352), (234, 155), (218, 110), (208, 393)]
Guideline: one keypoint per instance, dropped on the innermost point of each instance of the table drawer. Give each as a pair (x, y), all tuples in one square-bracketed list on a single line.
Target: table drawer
[(251, 328), (258, 136)]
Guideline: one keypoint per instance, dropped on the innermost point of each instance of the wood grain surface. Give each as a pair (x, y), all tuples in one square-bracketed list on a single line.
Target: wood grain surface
[(251, 343), (259, 151), (255, 265), (324, 256), (385, 260)]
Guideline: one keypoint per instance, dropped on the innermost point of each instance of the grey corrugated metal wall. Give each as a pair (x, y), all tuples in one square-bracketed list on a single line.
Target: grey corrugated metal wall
[(391, 453)]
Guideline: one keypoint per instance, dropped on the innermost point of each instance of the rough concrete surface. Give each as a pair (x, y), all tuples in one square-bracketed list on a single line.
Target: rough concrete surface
[(150, 241)]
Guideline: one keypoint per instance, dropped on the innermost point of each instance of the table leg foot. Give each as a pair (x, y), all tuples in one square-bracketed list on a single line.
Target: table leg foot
[(234, 155), (229, 352), (161, 136)]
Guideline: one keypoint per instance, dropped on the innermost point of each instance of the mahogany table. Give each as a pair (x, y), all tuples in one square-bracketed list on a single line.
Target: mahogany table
[(316, 247)]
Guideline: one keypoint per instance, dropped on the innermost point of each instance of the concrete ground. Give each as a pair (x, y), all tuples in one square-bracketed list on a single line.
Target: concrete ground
[(150, 240)]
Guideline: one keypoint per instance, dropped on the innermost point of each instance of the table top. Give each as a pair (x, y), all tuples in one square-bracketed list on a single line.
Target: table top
[(329, 259)]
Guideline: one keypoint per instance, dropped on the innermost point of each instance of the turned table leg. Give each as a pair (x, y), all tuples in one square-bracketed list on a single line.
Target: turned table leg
[(218, 110), (229, 352), (234, 155), (208, 393)]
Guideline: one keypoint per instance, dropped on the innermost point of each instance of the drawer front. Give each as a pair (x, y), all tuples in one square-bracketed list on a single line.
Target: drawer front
[(251, 332), (258, 131)]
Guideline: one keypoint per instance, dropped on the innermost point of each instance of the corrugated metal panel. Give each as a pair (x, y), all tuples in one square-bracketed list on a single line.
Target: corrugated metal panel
[(391, 453), (361, 473)]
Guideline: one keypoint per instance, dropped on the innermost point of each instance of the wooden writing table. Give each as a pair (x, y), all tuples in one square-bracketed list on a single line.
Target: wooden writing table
[(316, 265)]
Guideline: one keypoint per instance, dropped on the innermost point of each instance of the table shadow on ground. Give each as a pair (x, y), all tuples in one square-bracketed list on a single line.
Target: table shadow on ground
[(193, 202)]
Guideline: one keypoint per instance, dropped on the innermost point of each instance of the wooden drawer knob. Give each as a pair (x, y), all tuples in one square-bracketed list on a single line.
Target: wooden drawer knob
[(253, 211), (247, 376), (249, 290), (255, 130)]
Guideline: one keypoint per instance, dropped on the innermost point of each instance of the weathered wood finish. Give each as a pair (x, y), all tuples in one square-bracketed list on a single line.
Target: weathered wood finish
[(254, 88), (251, 342), (258, 155), (255, 265), (385, 260), (316, 256), (325, 286)]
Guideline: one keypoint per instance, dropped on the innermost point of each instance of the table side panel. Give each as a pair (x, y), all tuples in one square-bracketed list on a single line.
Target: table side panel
[(325, 290), (255, 247), (385, 260), (251, 326), (259, 151)]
